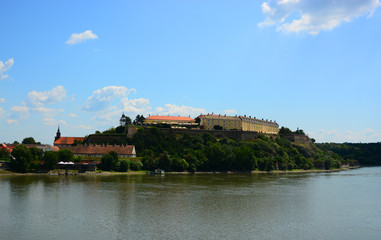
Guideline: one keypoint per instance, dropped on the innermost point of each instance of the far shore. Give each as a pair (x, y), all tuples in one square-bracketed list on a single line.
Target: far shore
[(110, 173)]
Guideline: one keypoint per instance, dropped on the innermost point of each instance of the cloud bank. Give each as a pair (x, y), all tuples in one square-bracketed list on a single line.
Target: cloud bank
[(76, 38), (39, 99), (35, 103), (102, 98), (314, 16), (365, 135), (5, 67)]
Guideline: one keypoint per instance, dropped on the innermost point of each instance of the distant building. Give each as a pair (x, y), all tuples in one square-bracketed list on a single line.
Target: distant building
[(43, 147), (241, 123), (66, 141), (123, 120), (100, 150), (4, 146), (172, 120)]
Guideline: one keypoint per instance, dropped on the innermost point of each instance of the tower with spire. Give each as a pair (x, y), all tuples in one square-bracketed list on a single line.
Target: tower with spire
[(123, 120), (58, 134)]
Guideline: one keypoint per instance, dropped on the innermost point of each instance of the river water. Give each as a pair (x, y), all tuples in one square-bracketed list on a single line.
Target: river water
[(337, 205)]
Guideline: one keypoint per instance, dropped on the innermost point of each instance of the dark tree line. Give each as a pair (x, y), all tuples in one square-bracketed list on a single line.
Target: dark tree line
[(364, 153), (181, 152)]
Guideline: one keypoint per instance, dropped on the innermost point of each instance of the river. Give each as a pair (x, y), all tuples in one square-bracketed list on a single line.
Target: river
[(334, 205)]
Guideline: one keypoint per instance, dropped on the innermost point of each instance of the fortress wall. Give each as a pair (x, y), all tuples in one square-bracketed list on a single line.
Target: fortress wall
[(237, 135)]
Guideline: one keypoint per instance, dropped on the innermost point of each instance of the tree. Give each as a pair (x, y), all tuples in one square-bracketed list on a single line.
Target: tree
[(50, 159), (65, 155), (165, 161), (28, 140), (21, 158), (108, 163), (180, 164), (114, 155), (124, 166), (4, 153), (76, 142), (217, 127), (139, 119), (284, 131), (36, 153)]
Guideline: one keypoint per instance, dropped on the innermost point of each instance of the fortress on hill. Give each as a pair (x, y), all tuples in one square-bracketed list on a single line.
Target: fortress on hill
[(218, 122)]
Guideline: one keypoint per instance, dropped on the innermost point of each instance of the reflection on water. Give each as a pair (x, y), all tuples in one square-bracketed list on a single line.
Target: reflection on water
[(342, 205)]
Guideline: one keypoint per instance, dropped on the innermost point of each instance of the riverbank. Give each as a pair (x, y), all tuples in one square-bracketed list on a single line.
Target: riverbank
[(109, 173)]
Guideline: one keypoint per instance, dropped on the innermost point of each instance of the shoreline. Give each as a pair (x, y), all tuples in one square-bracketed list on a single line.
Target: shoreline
[(107, 173)]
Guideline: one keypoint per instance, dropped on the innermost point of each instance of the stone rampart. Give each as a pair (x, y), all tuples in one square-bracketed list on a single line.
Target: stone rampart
[(233, 134), (122, 138)]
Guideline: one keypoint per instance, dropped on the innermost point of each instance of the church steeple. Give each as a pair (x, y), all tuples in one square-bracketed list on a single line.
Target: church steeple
[(58, 134)]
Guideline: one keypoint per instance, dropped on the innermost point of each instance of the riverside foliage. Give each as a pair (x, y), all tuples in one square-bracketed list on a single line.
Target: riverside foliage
[(182, 152)]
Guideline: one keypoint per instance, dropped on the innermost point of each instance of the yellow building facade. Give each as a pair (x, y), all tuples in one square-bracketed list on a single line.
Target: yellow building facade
[(240, 123)]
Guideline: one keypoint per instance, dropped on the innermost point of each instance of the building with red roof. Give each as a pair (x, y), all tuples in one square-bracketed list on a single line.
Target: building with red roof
[(66, 141), (172, 120), (100, 150)]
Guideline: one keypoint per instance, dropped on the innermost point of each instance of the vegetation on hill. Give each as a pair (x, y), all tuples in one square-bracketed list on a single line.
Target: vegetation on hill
[(206, 153), (365, 153)]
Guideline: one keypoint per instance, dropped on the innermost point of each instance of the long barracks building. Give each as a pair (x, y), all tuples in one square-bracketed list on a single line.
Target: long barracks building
[(241, 123)]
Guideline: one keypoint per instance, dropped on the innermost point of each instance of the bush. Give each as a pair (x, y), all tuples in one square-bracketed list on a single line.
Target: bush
[(136, 165), (124, 166), (108, 163), (21, 159), (50, 160)]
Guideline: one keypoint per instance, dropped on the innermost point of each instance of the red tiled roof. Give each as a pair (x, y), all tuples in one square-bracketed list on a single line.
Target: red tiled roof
[(169, 118), (68, 140), (3, 145)]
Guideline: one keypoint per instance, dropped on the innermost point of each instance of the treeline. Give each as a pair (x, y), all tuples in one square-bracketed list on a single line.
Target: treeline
[(24, 159), (182, 152), (365, 153)]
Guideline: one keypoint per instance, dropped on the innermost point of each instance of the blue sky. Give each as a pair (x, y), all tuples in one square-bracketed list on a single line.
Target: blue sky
[(314, 65)]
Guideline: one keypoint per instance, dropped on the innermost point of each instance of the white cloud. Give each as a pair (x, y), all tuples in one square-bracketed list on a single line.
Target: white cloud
[(2, 100), (136, 106), (38, 99), (18, 112), (365, 135), (314, 16), (174, 110), (76, 38), (72, 115), (2, 113), (102, 98), (12, 121), (5, 67), (230, 111), (84, 127), (49, 121)]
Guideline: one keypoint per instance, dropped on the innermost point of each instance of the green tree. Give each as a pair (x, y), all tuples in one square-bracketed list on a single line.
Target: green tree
[(136, 165), (245, 159), (180, 164), (65, 155), (108, 163), (120, 129), (76, 142), (21, 159), (114, 156), (139, 119), (36, 153), (4, 153), (165, 161), (124, 166), (50, 159), (217, 127), (28, 140)]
